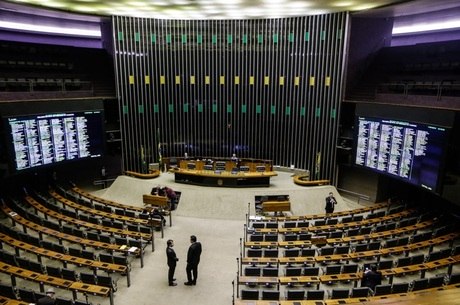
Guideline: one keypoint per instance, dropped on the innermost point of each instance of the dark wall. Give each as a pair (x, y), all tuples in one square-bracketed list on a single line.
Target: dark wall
[(367, 37)]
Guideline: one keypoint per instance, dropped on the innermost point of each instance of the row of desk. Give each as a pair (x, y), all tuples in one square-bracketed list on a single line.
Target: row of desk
[(341, 240), (445, 295), (353, 255), (338, 226), (353, 277)]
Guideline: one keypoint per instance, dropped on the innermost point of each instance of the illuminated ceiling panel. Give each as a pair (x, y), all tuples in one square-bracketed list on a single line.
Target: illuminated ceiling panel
[(208, 9)]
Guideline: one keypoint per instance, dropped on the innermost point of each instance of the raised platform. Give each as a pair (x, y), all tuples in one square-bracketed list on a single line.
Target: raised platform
[(223, 178)]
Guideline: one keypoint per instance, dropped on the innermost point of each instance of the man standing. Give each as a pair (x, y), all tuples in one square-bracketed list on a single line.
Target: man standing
[(330, 203), (172, 260), (193, 259), (49, 299)]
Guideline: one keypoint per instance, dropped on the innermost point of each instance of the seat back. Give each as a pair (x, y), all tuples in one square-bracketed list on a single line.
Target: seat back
[(295, 295), (315, 294), (360, 292), (340, 293), (249, 294), (400, 287), (272, 295), (382, 289)]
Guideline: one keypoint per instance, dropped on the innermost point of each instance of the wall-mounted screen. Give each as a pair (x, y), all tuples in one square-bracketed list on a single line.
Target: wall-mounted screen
[(409, 151), (45, 139)]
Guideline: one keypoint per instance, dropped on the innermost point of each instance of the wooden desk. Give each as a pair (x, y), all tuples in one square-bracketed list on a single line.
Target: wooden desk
[(224, 178), (150, 175), (16, 218), (156, 200), (276, 206), (43, 279), (257, 280)]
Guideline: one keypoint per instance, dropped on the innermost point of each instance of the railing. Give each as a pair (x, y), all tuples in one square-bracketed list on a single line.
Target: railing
[(38, 85), (429, 89)]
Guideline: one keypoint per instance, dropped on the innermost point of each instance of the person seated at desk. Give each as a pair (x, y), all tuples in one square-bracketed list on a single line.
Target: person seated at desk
[(371, 277), (169, 192), (155, 190), (156, 214)]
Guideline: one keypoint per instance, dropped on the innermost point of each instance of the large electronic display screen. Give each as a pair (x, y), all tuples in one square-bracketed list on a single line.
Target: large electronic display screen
[(405, 150), (45, 139)]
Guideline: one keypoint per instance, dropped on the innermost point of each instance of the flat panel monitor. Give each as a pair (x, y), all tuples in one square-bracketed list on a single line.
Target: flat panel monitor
[(412, 152), (208, 167), (191, 165), (244, 168), (44, 139)]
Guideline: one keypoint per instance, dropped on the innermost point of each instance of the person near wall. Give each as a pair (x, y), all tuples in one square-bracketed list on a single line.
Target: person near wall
[(193, 259), (172, 261), (330, 203)]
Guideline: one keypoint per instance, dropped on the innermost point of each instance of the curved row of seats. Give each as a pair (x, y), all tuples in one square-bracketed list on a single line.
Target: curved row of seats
[(419, 230)]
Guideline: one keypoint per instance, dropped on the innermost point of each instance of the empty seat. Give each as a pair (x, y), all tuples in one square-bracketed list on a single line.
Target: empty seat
[(360, 247), (419, 284), (418, 259), (290, 224), (400, 287), (311, 271), (308, 252), (290, 237), (256, 237), (272, 295), (88, 278), (69, 274), (106, 281), (270, 271), (373, 245), (336, 234), (403, 261), (320, 222), (327, 250), (252, 271), (7, 291), (270, 252), (271, 225), (258, 225), (27, 295), (291, 252), (332, 269), (340, 293), (347, 219), (315, 294), (303, 224), (249, 294), (254, 252), (53, 271), (295, 295), (388, 264), (436, 281), (342, 249), (292, 271), (360, 292), (350, 268), (382, 289), (271, 237), (332, 221), (305, 236), (454, 278)]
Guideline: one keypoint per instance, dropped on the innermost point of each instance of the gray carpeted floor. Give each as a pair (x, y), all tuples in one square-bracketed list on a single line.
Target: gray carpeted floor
[(216, 216)]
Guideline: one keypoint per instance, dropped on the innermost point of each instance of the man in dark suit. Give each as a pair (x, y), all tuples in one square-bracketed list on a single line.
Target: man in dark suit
[(49, 299), (371, 278), (172, 260), (330, 203), (193, 259)]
